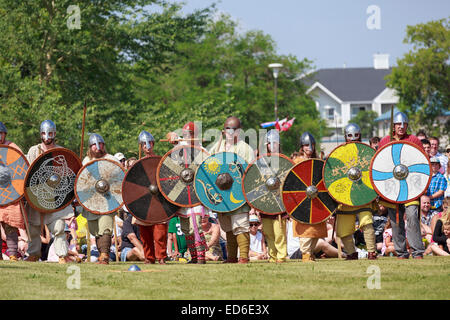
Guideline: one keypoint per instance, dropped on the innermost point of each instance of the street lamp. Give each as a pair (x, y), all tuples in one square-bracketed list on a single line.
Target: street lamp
[(276, 69)]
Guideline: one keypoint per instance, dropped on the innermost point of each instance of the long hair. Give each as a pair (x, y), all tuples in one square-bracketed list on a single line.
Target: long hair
[(91, 155)]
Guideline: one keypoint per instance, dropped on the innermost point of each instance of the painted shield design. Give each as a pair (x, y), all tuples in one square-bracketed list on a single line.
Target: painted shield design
[(49, 184), (175, 174), (141, 195), (13, 170), (400, 172), (304, 194), (262, 182), (98, 186), (218, 182), (346, 174)]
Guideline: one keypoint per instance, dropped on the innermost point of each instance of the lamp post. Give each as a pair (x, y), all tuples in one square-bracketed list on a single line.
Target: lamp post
[(276, 69)]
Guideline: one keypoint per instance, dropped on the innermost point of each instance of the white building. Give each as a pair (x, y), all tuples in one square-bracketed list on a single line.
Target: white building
[(340, 93)]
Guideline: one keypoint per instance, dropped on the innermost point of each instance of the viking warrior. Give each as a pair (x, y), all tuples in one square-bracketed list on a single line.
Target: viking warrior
[(309, 234), (153, 236), (191, 218), (235, 223), (11, 217), (100, 226), (274, 228), (346, 215), (411, 209), (55, 220)]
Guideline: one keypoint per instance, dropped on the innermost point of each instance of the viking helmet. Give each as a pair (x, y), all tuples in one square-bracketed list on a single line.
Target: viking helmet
[(400, 117), (352, 132), (271, 137), (308, 139), (96, 139), (47, 127), (3, 128), (146, 137)]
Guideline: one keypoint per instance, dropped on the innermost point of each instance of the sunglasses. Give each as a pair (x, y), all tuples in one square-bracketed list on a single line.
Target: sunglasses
[(254, 224), (448, 150)]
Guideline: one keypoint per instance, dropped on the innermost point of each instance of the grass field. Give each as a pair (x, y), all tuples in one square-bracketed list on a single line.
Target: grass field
[(326, 279)]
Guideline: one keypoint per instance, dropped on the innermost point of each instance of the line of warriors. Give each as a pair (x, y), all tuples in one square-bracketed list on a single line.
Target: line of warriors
[(235, 223)]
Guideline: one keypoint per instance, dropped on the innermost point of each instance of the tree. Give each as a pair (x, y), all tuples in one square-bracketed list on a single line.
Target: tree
[(422, 77), (226, 73), (48, 70), (365, 120)]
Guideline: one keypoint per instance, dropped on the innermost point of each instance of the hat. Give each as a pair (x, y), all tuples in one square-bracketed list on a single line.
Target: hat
[(434, 160), (447, 148), (253, 218), (119, 156)]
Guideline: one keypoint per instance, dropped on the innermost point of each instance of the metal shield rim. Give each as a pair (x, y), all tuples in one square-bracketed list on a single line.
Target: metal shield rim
[(76, 181), (282, 188), (28, 163), (31, 166), (370, 170), (125, 204), (195, 177), (159, 168), (245, 175), (387, 145)]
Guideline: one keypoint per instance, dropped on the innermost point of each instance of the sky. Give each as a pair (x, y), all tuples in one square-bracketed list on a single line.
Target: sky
[(332, 33)]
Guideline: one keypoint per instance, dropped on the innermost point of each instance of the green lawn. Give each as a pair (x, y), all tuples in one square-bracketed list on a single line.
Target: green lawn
[(326, 279)]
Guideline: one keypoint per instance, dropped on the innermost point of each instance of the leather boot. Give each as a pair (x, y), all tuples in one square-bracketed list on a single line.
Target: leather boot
[(353, 256)]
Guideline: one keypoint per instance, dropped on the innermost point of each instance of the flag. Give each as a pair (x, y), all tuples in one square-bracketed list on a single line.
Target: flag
[(287, 125), (279, 124), (268, 124)]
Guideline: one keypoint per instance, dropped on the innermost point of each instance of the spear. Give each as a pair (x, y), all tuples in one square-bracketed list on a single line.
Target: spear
[(88, 235)]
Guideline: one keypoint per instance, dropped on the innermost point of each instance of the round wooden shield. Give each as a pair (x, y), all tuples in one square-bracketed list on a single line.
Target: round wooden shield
[(98, 186), (400, 172), (262, 182), (49, 183), (13, 170), (304, 194), (141, 195), (218, 182), (175, 174), (346, 174)]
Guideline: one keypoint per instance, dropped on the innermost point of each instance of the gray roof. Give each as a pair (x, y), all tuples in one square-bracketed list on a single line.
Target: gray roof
[(351, 84)]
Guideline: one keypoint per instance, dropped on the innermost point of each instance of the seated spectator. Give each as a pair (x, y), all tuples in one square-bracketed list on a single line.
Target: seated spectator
[(437, 186), (379, 221), (258, 250), (374, 142), (131, 248), (441, 235), (72, 255), (388, 245), (176, 240), (426, 215), (121, 158), (211, 230)]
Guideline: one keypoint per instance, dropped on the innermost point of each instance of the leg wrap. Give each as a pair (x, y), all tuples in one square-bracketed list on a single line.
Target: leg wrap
[(190, 243), (349, 245), (243, 240), (232, 246), (369, 237)]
